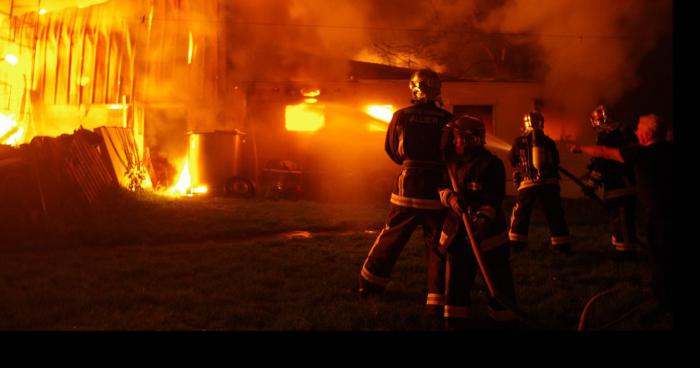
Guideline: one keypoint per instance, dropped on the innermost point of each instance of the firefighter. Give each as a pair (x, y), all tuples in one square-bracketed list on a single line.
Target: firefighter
[(617, 181), (413, 141), (652, 160), (477, 189), (535, 160)]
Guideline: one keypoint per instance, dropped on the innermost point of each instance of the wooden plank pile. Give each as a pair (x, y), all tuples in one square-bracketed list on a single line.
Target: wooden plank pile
[(51, 177)]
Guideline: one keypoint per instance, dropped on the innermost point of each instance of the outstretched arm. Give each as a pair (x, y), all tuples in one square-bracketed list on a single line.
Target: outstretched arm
[(598, 151)]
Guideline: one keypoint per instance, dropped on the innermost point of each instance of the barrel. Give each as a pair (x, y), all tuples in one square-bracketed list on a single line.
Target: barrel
[(214, 158)]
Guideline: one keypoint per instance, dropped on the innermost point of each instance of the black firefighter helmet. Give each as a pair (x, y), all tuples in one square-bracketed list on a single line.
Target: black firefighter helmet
[(467, 132)]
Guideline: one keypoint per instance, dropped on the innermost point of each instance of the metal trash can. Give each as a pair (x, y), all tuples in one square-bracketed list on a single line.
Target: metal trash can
[(215, 161)]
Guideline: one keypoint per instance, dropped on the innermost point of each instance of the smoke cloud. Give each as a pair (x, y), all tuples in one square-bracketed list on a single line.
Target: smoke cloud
[(591, 48), (586, 52)]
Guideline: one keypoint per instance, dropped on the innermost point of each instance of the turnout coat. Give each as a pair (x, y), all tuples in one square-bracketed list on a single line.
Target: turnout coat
[(480, 180)]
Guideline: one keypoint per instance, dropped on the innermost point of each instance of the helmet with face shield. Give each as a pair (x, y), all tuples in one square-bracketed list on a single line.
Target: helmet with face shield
[(425, 85)]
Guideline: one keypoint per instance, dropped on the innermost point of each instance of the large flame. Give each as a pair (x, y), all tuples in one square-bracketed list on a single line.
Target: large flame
[(305, 117), (10, 133), (382, 113), (184, 187), (183, 183)]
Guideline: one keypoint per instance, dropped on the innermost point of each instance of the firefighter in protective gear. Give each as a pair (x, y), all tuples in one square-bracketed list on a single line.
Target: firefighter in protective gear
[(477, 188), (652, 160), (535, 159), (616, 179), (413, 141)]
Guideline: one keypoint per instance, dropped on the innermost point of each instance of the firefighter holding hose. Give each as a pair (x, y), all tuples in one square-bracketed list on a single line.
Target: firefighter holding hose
[(477, 189)]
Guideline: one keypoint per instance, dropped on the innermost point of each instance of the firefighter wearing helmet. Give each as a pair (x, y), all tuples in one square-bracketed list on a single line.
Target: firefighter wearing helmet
[(413, 141), (616, 179), (535, 161), (425, 86), (476, 188)]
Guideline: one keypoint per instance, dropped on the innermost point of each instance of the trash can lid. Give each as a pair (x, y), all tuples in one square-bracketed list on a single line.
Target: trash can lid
[(201, 132)]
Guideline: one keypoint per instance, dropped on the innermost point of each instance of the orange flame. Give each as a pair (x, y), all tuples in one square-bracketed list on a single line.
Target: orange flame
[(183, 187), (190, 50), (305, 117), (10, 133), (383, 113), (183, 183), (306, 92)]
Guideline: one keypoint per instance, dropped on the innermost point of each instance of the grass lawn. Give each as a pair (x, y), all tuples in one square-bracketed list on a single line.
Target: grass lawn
[(152, 263)]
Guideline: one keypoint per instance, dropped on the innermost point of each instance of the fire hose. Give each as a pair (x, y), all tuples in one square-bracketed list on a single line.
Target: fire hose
[(493, 292), (578, 182), (584, 313), (506, 302)]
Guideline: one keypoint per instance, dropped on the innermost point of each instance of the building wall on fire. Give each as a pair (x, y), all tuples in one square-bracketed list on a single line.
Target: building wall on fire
[(163, 68), (91, 53), (157, 66), (73, 67)]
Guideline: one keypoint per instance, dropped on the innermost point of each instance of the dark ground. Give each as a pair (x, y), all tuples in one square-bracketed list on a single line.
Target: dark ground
[(154, 263)]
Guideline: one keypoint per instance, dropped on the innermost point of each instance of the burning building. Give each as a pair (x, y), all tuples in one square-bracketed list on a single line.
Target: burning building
[(146, 66), (284, 87)]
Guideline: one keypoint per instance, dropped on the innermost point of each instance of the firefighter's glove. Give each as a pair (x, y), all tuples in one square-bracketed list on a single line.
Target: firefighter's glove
[(454, 204), (480, 225), (451, 199)]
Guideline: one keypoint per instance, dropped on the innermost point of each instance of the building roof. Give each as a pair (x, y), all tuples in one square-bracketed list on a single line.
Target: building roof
[(364, 70)]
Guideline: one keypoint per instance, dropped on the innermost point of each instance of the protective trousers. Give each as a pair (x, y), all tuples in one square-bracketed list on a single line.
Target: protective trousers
[(622, 211), (400, 224), (549, 195), (462, 268)]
